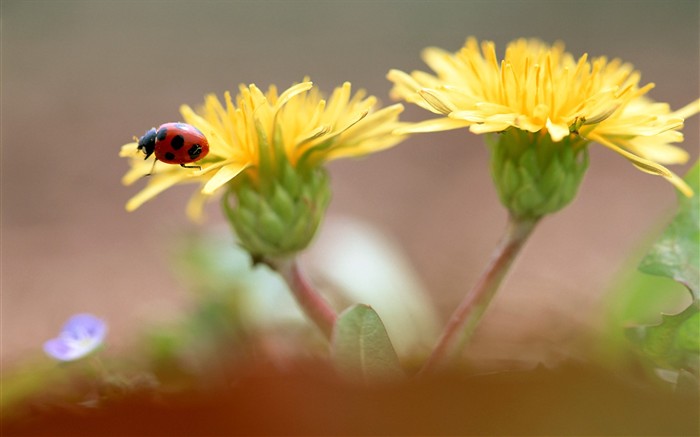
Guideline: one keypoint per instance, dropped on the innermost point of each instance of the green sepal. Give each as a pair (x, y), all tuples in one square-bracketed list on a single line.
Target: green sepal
[(306, 159), (289, 179), (535, 176), (265, 159), (283, 203), (281, 217)]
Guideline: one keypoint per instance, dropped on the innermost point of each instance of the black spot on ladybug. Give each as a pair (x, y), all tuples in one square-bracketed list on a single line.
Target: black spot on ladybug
[(194, 151), (170, 156), (162, 134), (177, 142)]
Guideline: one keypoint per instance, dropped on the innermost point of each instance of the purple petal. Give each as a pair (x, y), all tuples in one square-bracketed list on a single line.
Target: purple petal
[(81, 326), (56, 349), (82, 334)]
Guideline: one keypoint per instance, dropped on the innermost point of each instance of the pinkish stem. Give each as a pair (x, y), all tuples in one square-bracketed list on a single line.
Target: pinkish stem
[(311, 302), (466, 317)]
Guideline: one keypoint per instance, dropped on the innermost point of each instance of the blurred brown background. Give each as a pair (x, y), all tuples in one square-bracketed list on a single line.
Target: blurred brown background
[(80, 78)]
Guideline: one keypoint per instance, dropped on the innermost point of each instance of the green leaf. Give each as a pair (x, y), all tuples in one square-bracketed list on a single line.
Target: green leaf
[(361, 347), (675, 342), (677, 253)]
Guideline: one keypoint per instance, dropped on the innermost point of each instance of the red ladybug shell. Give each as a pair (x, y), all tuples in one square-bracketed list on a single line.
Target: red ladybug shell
[(180, 143)]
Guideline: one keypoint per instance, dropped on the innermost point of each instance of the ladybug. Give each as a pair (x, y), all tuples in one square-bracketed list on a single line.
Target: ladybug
[(175, 143)]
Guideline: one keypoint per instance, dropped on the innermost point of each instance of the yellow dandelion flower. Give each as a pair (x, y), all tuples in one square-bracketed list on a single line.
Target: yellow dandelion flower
[(310, 130), (543, 89), (267, 150)]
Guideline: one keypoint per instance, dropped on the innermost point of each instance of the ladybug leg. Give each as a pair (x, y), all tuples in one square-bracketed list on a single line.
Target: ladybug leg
[(198, 167), (152, 168)]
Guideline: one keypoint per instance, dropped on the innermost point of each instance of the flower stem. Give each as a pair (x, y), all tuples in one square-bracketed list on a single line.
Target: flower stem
[(466, 317), (311, 302)]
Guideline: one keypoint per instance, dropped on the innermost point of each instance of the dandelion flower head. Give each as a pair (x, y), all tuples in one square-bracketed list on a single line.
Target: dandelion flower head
[(256, 132), (541, 88)]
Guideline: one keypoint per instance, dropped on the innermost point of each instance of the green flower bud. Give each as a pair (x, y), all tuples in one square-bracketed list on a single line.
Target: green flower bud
[(280, 216), (534, 175)]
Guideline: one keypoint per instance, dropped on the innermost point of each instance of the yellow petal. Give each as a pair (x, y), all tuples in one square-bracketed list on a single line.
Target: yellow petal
[(646, 165), (434, 125), (370, 145), (225, 174), (208, 168), (488, 127), (157, 185), (129, 150), (527, 123), (662, 153), (557, 131), (434, 99), (382, 118), (134, 174), (291, 92), (217, 144), (680, 184), (405, 82), (472, 116), (195, 207), (688, 110)]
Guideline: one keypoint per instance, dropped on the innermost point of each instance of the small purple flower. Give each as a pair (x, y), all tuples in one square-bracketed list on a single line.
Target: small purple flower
[(81, 334)]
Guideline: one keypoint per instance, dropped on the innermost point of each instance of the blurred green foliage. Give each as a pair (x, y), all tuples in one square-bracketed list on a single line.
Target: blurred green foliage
[(676, 254), (657, 307)]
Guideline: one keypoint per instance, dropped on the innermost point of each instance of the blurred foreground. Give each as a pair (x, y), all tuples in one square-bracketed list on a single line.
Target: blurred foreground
[(307, 399)]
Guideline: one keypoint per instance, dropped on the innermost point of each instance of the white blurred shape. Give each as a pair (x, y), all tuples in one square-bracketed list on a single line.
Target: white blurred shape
[(365, 266)]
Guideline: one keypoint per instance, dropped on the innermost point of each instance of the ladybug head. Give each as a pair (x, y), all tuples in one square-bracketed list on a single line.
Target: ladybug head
[(147, 143)]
